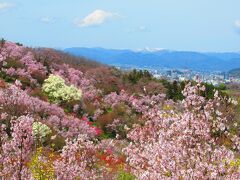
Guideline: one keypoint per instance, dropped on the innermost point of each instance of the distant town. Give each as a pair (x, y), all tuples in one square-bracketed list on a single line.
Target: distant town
[(212, 77)]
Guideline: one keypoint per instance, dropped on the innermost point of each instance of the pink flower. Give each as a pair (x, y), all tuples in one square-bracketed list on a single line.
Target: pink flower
[(98, 131), (18, 83), (84, 118)]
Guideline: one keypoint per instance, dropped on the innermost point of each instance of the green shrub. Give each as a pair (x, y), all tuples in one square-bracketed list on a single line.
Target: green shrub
[(125, 176), (41, 131), (57, 91)]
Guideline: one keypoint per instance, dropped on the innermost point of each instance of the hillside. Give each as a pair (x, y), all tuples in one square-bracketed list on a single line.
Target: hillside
[(65, 117)]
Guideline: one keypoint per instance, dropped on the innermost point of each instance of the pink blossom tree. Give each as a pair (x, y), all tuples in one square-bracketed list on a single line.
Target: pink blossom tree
[(181, 144)]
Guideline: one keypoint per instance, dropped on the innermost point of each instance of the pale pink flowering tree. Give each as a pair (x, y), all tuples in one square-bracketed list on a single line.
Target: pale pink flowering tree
[(180, 144), (77, 160), (15, 151)]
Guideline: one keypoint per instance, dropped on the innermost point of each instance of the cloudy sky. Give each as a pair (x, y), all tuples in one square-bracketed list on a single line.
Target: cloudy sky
[(194, 25)]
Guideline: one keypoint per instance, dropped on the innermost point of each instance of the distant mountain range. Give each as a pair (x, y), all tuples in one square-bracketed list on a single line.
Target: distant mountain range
[(161, 58)]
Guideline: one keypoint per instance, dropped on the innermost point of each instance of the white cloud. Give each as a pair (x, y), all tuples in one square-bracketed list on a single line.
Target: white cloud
[(143, 29), (5, 5), (47, 19), (138, 29), (237, 23), (97, 17)]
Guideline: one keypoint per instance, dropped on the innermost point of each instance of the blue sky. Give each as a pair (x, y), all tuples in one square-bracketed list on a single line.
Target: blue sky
[(193, 25)]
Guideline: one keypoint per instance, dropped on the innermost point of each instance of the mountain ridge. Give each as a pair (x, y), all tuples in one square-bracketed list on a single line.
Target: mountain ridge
[(204, 61)]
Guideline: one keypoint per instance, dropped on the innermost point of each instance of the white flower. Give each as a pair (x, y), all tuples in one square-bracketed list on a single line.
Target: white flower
[(222, 127), (58, 91), (18, 83), (40, 130), (126, 128), (218, 113), (234, 102), (53, 137), (203, 88)]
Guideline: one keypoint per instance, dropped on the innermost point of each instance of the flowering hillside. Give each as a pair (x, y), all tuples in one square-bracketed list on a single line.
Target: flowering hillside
[(67, 118)]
